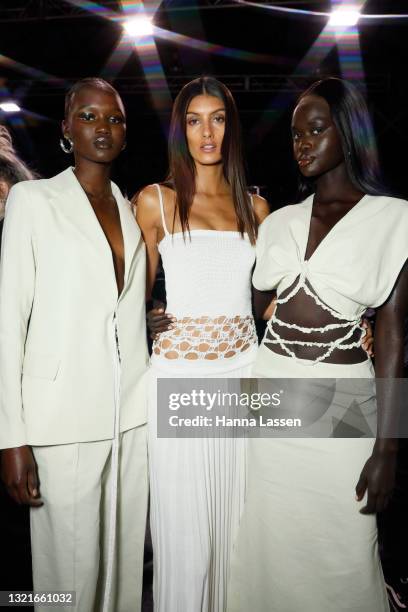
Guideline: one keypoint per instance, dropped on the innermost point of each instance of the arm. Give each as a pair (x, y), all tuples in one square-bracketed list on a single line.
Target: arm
[(149, 220), (378, 474), (17, 283), (264, 301)]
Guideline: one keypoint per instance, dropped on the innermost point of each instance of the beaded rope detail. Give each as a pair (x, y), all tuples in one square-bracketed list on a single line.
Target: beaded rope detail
[(353, 324), (207, 338)]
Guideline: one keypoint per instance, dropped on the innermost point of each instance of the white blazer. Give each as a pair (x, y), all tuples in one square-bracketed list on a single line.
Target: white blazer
[(58, 301)]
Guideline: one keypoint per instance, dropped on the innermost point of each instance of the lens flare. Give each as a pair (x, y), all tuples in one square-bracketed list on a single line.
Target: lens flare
[(10, 107), (138, 26), (344, 16)]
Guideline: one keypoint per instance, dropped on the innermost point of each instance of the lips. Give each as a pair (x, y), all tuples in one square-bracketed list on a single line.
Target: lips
[(208, 148), (305, 160), (103, 142)]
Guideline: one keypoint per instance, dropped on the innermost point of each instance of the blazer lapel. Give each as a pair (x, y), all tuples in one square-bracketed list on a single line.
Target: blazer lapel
[(71, 200), (130, 229)]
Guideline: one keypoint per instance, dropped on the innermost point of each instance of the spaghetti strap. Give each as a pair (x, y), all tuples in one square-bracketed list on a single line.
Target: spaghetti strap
[(166, 232)]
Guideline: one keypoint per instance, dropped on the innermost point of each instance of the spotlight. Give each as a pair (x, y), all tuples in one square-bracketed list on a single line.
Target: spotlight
[(139, 26), (344, 16), (10, 107)]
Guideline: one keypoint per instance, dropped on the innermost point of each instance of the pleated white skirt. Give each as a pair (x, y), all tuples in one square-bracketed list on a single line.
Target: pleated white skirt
[(302, 543), (197, 495)]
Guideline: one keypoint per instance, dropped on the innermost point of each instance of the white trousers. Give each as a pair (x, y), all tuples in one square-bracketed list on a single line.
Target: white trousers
[(69, 533)]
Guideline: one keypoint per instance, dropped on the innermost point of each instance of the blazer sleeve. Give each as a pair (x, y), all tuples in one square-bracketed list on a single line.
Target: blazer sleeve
[(17, 283)]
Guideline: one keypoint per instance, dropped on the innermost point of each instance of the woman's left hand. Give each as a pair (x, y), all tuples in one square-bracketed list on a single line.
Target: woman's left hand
[(367, 341), (378, 479)]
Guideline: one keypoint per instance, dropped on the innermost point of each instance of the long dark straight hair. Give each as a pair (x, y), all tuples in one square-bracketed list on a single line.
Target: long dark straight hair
[(182, 170), (352, 119)]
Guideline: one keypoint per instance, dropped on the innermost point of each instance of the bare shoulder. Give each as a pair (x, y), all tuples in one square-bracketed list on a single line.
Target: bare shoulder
[(147, 198), (147, 208), (261, 208)]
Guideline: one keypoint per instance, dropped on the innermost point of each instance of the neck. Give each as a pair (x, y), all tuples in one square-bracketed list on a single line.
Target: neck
[(210, 179), (94, 178), (335, 186)]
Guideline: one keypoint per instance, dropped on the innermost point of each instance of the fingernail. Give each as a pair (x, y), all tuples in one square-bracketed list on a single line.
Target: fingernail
[(35, 492)]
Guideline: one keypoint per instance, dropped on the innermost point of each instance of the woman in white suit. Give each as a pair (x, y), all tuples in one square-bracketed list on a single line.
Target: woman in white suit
[(72, 361)]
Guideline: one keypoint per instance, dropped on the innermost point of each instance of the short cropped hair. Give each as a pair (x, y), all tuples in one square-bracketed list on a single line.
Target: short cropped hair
[(95, 82)]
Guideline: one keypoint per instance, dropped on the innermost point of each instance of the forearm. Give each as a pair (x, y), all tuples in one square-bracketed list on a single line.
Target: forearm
[(389, 371), (263, 303)]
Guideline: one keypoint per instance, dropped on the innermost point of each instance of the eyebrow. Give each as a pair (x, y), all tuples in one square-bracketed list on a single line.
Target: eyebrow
[(311, 121), (90, 107), (318, 118), (212, 112)]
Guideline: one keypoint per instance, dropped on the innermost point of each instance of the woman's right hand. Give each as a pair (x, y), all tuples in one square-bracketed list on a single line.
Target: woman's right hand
[(19, 474), (159, 321)]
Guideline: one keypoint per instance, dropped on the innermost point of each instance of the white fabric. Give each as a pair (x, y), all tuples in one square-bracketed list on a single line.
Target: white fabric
[(208, 273), (70, 532), (113, 510), (302, 543), (198, 485), (58, 298), (353, 268), (197, 490)]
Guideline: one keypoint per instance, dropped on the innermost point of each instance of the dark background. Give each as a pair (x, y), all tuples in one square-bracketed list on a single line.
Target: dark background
[(47, 45), (66, 42)]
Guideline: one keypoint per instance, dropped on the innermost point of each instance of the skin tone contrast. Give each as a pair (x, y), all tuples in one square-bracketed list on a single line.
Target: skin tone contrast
[(205, 126), (97, 126)]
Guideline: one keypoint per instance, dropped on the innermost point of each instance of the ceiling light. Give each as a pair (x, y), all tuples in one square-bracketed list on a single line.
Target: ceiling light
[(344, 16), (10, 107), (139, 26)]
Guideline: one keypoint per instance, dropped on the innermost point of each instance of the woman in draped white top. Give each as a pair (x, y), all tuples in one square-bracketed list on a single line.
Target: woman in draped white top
[(305, 542)]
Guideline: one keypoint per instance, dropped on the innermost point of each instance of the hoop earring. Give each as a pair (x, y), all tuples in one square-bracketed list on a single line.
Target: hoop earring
[(63, 144)]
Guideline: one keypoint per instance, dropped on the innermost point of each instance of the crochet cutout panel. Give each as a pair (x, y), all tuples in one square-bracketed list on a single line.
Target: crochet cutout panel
[(207, 338)]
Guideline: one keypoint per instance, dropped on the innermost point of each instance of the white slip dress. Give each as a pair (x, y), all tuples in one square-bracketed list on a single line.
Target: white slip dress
[(198, 484)]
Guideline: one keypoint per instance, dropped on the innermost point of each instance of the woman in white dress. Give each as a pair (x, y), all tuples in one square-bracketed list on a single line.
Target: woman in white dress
[(305, 542), (203, 224)]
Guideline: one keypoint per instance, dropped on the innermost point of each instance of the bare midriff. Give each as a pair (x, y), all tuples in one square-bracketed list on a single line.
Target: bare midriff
[(303, 311), (208, 338)]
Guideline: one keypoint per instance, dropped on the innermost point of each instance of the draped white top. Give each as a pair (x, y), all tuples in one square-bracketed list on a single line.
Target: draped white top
[(354, 267)]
